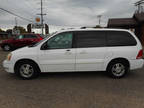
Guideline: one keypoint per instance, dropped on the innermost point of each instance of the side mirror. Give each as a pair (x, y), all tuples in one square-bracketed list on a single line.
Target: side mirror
[(44, 46)]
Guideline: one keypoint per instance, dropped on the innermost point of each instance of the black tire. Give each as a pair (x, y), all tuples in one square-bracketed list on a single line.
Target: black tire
[(6, 47), (30, 75), (117, 69)]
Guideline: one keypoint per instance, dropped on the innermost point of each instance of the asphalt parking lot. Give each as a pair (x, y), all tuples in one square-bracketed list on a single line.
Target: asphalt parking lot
[(71, 90)]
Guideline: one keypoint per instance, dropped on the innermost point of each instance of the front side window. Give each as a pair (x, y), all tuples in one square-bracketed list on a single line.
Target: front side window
[(20, 37), (60, 41)]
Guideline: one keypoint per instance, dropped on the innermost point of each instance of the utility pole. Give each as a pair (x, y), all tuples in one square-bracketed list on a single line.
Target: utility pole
[(138, 4), (41, 14), (99, 17), (16, 30), (16, 22)]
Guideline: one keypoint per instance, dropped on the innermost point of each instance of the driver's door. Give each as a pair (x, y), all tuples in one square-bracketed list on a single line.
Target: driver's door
[(19, 41), (57, 54)]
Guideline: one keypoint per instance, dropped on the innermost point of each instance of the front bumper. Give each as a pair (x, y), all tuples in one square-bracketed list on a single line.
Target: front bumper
[(8, 66)]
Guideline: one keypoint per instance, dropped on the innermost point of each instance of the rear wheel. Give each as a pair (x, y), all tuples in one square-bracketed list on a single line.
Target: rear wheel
[(6, 47), (27, 70), (118, 69)]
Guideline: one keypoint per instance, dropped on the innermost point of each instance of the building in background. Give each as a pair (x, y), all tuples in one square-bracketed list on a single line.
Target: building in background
[(136, 24)]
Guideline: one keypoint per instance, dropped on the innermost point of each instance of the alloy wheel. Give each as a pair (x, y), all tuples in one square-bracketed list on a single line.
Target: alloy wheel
[(26, 70)]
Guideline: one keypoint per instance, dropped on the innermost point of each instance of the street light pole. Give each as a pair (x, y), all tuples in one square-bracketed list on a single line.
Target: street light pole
[(42, 15)]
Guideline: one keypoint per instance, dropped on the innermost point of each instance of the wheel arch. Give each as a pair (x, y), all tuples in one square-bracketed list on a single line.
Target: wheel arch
[(2, 46), (27, 61), (119, 59)]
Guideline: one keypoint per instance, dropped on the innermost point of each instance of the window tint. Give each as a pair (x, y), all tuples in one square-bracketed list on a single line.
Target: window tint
[(60, 41), (30, 36), (90, 39), (117, 38)]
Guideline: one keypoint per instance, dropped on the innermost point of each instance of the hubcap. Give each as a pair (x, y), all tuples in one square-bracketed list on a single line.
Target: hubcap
[(7, 47), (118, 69), (26, 70)]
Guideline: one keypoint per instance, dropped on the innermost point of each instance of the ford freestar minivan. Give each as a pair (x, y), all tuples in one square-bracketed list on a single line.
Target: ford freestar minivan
[(77, 50)]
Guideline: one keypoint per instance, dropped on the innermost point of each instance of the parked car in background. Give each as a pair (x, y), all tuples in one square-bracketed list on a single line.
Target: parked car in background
[(42, 35), (113, 50), (20, 41)]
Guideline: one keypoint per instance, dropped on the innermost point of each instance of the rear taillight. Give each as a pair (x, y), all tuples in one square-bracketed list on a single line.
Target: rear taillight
[(41, 38), (140, 55)]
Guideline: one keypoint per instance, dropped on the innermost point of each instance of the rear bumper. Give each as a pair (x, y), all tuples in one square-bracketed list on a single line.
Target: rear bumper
[(8, 66), (136, 64)]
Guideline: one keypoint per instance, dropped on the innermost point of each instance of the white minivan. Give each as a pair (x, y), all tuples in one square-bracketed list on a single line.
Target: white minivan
[(77, 50)]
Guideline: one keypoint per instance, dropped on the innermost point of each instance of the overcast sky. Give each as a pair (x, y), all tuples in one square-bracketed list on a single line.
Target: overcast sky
[(65, 13)]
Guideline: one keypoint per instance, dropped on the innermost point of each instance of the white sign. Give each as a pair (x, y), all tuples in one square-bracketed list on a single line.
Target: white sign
[(38, 26)]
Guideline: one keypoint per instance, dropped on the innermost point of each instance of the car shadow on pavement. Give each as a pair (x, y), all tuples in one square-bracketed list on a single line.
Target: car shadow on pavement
[(75, 75), (84, 75)]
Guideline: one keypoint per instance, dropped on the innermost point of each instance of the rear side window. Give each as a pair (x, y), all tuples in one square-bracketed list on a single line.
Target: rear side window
[(30, 36), (118, 38), (86, 39)]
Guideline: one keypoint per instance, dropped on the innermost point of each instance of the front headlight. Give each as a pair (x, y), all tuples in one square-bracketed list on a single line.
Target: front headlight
[(8, 58)]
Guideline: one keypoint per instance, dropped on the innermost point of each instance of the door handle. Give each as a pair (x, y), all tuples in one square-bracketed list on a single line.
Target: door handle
[(68, 50)]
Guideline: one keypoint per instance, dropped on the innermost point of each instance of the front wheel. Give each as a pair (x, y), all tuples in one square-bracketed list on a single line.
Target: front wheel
[(27, 70), (118, 69), (6, 47)]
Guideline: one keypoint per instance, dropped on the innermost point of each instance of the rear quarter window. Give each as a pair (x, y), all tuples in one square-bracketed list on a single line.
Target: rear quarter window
[(120, 38)]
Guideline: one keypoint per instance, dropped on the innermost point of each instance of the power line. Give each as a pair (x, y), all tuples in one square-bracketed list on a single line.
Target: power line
[(16, 15), (17, 6), (139, 6), (27, 6), (32, 9)]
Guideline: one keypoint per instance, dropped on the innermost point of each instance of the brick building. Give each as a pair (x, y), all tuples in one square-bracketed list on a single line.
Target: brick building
[(136, 23)]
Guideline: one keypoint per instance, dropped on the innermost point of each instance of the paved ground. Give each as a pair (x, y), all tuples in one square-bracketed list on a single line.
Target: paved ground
[(71, 90)]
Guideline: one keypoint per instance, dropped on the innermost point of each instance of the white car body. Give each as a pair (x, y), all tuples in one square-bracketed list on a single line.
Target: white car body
[(76, 59)]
